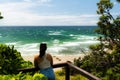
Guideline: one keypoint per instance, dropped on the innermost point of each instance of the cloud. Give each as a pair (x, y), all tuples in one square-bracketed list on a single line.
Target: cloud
[(27, 0), (34, 19), (15, 6), (38, 1), (44, 1), (19, 13)]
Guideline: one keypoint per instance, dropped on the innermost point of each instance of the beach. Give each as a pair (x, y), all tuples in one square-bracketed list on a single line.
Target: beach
[(57, 58)]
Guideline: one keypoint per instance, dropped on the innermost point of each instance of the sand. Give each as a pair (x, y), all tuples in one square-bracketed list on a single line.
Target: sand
[(57, 58)]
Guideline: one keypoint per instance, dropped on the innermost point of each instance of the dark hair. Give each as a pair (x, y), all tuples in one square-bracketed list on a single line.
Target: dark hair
[(43, 48)]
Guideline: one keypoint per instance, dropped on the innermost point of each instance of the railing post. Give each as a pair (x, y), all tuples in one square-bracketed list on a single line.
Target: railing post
[(67, 73)]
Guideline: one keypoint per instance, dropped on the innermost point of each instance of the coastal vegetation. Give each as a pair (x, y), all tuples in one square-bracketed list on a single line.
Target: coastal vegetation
[(10, 61), (23, 76), (104, 58)]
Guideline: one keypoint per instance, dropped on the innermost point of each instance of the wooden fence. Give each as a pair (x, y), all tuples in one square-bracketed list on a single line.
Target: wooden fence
[(68, 65)]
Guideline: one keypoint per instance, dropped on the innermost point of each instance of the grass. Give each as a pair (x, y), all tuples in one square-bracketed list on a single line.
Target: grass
[(60, 75)]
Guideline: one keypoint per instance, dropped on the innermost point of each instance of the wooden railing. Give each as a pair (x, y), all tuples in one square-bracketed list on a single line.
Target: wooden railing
[(68, 65)]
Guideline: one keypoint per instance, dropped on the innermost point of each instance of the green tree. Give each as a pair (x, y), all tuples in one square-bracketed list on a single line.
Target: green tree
[(104, 59), (109, 25), (118, 0)]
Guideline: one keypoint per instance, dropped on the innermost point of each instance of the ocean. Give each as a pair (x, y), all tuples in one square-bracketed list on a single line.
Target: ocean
[(60, 39)]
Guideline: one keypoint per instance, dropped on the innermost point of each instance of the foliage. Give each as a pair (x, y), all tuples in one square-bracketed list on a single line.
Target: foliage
[(104, 58), (11, 60), (60, 75), (25, 76), (101, 63), (109, 25), (118, 0), (38, 76), (78, 77), (60, 72)]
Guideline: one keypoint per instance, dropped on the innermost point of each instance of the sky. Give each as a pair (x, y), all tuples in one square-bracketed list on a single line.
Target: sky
[(49, 12)]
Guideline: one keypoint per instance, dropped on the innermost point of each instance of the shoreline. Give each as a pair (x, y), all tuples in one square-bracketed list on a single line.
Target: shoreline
[(57, 58)]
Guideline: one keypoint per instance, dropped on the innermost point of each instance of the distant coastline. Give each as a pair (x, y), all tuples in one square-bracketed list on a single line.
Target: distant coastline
[(50, 26)]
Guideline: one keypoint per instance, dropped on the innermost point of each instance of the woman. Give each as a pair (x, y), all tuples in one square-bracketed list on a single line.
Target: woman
[(44, 62)]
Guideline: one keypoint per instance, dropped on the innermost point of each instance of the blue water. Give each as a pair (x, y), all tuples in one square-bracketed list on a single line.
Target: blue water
[(60, 39)]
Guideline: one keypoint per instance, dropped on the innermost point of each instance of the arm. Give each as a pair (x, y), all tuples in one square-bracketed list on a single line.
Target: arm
[(35, 62)]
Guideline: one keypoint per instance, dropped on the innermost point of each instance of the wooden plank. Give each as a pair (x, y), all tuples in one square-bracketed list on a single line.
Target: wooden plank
[(24, 70)]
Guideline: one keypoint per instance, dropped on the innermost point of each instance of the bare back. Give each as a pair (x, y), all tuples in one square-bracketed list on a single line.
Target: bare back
[(43, 62)]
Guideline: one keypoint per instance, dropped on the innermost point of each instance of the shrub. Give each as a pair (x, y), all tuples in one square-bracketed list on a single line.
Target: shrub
[(60, 72), (23, 76), (38, 76), (101, 63), (11, 60)]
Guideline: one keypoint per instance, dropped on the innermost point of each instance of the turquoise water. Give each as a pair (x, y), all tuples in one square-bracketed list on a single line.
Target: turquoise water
[(60, 39)]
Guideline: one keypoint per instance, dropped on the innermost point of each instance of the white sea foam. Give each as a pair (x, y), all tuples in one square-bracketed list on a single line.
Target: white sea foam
[(78, 43), (71, 47), (72, 35), (55, 33), (56, 47), (26, 49), (12, 43), (84, 37), (30, 46), (68, 44), (56, 41)]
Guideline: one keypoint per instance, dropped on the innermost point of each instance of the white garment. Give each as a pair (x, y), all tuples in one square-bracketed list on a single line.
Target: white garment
[(45, 63)]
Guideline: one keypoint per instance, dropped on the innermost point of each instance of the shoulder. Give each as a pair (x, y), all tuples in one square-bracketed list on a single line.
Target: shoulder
[(49, 56), (36, 57)]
